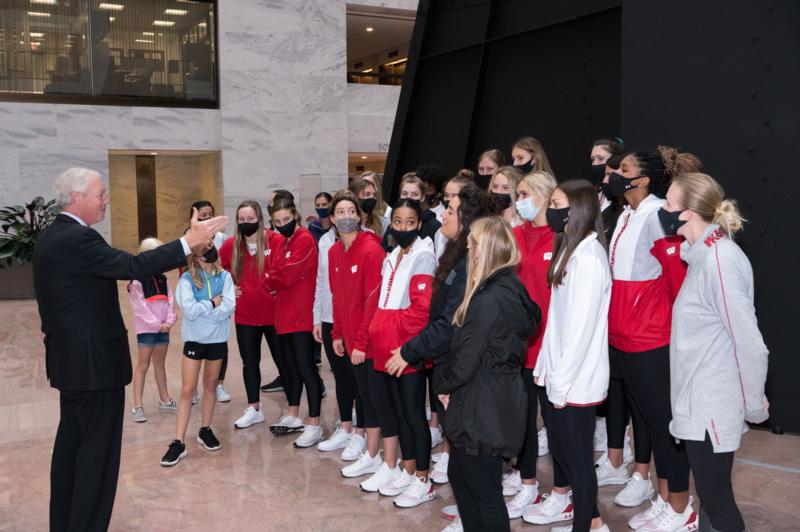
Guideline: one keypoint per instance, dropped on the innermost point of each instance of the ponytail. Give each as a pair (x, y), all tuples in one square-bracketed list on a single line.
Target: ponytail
[(703, 195), (728, 217)]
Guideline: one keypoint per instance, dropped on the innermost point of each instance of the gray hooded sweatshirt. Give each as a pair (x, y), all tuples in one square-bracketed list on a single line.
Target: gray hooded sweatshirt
[(718, 360)]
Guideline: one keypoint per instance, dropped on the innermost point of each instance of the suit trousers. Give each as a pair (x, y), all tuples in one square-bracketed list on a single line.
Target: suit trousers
[(86, 454)]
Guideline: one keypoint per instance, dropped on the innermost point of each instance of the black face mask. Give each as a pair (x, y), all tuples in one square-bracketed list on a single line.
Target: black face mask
[(482, 180), (620, 184), (368, 205), (323, 213), (503, 200), (446, 204), (248, 228), (404, 238), (597, 173), (669, 221), (288, 229), (557, 219), (525, 168), (605, 188), (431, 199), (211, 255)]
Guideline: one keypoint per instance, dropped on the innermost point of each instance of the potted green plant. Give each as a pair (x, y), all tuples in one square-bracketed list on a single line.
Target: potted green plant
[(20, 226)]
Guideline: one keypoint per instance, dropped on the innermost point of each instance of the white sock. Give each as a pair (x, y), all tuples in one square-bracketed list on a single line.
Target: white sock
[(531, 487)]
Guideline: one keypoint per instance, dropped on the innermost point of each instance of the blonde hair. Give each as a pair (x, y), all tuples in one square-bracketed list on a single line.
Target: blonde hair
[(194, 269), (498, 249), (514, 176), (538, 156), (149, 244), (702, 194), (380, 209), (542, 183)]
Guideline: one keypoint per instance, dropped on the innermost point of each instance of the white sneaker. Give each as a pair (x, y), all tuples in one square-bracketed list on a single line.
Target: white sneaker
[(436, 436), (527, 496), (603, 528), (138, 415), (608, 475), (512, 484), (642, 518), (398, 485), (418, 492), (439, 471), (450, 513), (668, 520), (543, 448), (250, 417), (383, 476), (355, 447), (222, 394), (338, 440), (455, 526), (365, 465), (600, 435), (312, 434), (554, 507), (635, 492), (286, 425)]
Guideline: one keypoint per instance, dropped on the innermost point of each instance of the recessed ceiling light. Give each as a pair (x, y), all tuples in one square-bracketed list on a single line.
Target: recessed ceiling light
[(363, 156), (149, 33), (163, 23), (180, 12), (143, 40), (111, 7), (37, 35), (46, 2), (153, 153), (370, 29), (37, 14)]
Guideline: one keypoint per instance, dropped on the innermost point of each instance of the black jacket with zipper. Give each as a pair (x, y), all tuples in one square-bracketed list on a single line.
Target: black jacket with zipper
[(487, 413), (434, 340)]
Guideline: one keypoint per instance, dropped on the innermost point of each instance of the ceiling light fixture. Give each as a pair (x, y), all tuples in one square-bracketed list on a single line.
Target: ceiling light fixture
[(363, 156), (37, 35), (179, 12), (153, 153), (112, 19), (370, 29), (45, 2), (167, 23), (143, 41), (148, 33), (111, 7), (367, 71), (38, 14), (202, 25)]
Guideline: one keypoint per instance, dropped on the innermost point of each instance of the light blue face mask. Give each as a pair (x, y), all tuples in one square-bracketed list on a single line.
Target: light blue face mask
[(527, 210)]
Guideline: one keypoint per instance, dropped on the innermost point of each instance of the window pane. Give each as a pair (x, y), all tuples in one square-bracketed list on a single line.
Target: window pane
[(128, 49)]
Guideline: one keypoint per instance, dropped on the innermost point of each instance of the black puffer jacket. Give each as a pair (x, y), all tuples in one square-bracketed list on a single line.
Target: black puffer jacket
[(487, 414), (434, 340)]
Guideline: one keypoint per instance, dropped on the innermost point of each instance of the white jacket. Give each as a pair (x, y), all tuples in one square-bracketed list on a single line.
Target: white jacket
[(323, 300), (573, 362)]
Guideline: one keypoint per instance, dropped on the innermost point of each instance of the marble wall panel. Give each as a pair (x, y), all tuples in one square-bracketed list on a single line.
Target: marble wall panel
[(393, 4), (369, 133), (28, 126)]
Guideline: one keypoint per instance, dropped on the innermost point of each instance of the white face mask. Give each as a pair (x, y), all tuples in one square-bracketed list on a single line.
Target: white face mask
[(527, 210)]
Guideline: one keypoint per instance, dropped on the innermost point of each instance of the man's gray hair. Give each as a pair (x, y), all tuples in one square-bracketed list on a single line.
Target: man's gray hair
[(73, 180)]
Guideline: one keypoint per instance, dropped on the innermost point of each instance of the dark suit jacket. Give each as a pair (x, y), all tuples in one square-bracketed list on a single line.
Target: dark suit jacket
[(75, 275)]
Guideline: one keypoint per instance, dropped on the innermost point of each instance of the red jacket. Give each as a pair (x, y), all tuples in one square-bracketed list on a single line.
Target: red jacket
[(256, 305), (536, 246), (355, 281), (293, 278), (404, 302)]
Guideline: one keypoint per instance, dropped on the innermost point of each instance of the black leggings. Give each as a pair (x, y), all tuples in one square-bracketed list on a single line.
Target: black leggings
[(249, 339), (560, 479), (400, 404), (526, 461), (365, 410), (478, 489), (570, 435), (342, 376), (712, 480), (646, 376), (617, 410), (297, 355)]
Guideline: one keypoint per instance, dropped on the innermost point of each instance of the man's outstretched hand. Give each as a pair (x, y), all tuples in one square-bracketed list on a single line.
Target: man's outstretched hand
[(200, 233)]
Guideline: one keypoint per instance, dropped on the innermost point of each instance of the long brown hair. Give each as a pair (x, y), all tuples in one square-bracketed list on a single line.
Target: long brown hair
[(239, 245), (376, 179), (584, 217), (538, 156), (374, 220)]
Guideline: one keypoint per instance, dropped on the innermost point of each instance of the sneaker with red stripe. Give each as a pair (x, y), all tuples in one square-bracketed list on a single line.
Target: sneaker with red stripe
[(418, 492), (668, 520), (554, 507)]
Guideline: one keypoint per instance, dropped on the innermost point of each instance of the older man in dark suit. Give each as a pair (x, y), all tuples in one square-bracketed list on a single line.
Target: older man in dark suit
[(86, 343)]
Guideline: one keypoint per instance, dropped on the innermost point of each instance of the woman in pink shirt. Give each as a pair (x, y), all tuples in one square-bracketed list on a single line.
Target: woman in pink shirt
[(154, 316)]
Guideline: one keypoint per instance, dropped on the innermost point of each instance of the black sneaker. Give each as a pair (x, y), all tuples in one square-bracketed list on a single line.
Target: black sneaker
[(274, 386), (207, 439), (176, 451)]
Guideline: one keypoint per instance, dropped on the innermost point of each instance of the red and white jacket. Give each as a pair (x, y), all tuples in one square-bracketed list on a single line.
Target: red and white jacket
[(404, 302), (293, 278), (355, 281), (536, 246), (256, 305), (647, 272)]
